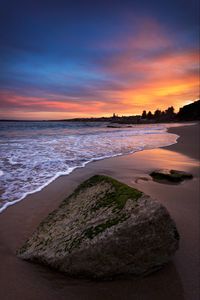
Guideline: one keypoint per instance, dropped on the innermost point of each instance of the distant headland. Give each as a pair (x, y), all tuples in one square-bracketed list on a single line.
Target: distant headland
[(190, 112)]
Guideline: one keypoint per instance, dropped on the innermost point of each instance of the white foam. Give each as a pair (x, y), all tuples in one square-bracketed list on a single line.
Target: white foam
[(32, 163)]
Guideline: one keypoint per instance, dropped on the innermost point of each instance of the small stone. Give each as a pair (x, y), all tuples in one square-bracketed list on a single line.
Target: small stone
[(173, 176)]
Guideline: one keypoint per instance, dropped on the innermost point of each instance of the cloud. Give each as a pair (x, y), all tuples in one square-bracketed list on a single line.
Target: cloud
[(147, 67)]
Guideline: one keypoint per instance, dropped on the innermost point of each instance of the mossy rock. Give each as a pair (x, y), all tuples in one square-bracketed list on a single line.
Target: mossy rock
[(103, 229), (115, 197), (173, 176)]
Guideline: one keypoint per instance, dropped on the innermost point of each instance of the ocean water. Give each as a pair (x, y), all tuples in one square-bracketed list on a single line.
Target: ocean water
[(33, 154)]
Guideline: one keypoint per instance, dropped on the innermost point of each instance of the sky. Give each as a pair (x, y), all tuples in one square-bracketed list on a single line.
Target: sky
[(65, 59)]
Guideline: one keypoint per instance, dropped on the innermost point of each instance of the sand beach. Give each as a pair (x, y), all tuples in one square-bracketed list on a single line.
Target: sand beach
[(178, 280)]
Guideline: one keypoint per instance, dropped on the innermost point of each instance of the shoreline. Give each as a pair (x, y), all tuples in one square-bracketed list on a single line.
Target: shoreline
[(178, 280), (70, 170)]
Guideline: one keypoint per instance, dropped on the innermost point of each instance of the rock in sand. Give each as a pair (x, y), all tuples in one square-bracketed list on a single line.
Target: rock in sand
[(104, 228)]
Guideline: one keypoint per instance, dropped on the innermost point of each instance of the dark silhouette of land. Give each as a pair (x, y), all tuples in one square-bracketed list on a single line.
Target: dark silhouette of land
[(190, 112)]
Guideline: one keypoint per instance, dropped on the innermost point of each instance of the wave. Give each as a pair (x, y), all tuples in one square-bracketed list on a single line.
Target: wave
[(30, 163)]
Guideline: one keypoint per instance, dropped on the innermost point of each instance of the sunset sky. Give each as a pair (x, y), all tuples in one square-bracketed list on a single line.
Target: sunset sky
[(64, 59)]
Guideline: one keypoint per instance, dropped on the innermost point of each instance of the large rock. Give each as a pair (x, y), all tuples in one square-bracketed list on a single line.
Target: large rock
[(104, 228)]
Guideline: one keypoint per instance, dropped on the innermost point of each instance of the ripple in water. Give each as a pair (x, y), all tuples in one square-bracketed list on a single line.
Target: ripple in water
[(33, 154)]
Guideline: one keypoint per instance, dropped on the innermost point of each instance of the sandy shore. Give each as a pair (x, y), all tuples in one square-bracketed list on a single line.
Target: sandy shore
[(178, 280)]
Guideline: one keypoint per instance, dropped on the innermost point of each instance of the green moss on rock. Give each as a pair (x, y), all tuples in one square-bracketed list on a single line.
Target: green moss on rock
[(91, 232), (116, 197), (104, 228)]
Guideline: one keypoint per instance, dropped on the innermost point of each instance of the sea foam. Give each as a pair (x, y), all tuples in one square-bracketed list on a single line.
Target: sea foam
[(36, 153)]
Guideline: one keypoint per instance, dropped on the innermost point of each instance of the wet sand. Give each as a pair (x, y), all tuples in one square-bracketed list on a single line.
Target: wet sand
[(178, 280)]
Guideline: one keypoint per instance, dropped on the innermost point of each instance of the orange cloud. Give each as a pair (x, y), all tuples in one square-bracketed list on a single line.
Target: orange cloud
[(160, 81), (24, 107), (148, 72)]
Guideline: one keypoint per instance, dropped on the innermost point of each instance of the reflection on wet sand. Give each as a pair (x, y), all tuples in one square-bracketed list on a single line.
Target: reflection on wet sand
[(177, 280)]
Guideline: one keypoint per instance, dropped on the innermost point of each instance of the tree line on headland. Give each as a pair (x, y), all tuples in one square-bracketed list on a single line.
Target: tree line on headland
[(190, 112)]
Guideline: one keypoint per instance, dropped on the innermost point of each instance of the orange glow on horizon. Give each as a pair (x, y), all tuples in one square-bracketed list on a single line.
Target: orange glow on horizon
[(153, 82)]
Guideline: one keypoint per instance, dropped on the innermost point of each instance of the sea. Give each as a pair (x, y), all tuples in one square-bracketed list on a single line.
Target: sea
[(33, 154)]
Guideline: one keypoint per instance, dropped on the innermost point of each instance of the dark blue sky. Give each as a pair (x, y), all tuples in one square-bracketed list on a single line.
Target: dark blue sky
[(78, 58)]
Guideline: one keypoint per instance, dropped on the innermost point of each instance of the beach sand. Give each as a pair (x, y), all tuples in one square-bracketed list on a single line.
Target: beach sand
[(178, 280)]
